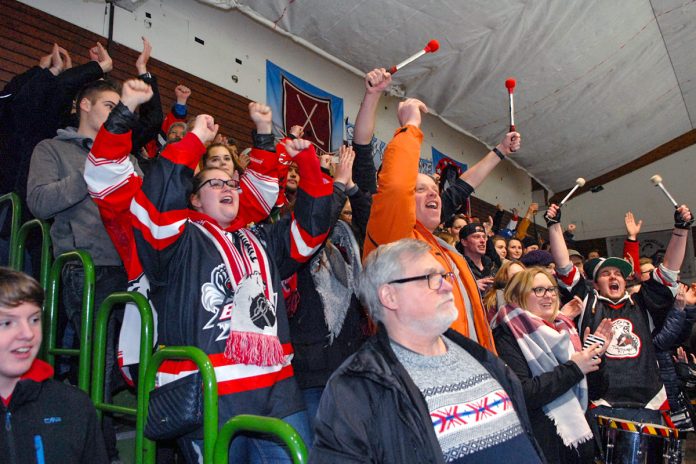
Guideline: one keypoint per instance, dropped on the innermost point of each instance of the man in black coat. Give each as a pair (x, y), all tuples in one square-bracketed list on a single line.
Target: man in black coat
[(416, 391)]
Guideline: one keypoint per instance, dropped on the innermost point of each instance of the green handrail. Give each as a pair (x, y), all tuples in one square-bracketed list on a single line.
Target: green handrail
[(45, 229), (51, 308), (210, 397), (270, 425), (15, 218), (147, 331)]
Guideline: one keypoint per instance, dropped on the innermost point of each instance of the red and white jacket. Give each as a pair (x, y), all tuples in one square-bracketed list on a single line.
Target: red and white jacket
[(187, 277)]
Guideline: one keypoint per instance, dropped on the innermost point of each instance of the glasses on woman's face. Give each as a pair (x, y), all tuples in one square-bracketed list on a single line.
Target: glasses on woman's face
[(540, 292), (217, 184), (435, 279)]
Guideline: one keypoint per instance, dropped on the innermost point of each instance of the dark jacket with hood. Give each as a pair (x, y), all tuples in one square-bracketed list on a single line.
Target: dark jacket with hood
[(48, 418)]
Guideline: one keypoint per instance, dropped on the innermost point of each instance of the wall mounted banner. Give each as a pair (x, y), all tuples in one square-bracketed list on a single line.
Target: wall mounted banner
[(296, 102)]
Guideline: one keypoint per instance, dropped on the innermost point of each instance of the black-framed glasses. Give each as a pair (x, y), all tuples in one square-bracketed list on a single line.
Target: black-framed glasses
[(434, 279), (217, 184), (542, 291)]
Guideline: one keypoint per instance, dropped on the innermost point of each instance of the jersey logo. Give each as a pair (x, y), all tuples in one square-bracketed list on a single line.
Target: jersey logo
[(624, 342)]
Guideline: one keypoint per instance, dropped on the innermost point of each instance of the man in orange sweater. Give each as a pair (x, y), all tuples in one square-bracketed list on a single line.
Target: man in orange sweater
[(408, 204)]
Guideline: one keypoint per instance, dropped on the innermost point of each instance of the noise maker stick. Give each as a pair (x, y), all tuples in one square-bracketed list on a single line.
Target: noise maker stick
[(657, 181), (579, 182), (510, 85), (431, 47)]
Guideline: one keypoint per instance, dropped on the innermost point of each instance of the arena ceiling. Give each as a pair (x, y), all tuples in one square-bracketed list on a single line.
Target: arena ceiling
[(600, 85)]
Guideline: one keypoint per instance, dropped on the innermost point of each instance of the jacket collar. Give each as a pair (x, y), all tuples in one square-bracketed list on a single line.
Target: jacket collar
[(29, 385)]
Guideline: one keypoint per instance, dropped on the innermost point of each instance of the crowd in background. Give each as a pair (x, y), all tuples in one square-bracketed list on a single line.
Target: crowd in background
[(256, 256)]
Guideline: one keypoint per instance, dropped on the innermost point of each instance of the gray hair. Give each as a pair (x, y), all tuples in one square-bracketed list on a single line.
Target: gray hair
[(384, 264)]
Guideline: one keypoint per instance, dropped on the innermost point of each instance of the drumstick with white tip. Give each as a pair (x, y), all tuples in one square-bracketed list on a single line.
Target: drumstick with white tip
[(431, 47), (510, 86), (657, 182), (579, 182)]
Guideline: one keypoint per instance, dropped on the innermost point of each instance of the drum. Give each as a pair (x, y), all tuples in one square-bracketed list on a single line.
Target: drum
[(628, 442)]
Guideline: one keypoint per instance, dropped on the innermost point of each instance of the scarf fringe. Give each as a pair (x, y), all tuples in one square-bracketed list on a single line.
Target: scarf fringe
[(254, 348), (576, 441)]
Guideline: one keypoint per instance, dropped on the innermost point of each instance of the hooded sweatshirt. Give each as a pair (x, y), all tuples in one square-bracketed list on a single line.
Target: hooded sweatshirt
[(57, 190), (45, 421)]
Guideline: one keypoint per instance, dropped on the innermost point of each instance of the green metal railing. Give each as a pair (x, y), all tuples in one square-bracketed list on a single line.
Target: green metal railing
[(20, 246), (269, 425), (210, 397), (15, 218), (147, 333), (51, 309)]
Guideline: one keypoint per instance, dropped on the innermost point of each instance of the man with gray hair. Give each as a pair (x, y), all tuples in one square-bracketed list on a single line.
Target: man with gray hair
[(418, 391)]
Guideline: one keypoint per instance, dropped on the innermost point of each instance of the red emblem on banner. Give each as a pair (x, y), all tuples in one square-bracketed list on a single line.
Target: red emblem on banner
[(312, 113)]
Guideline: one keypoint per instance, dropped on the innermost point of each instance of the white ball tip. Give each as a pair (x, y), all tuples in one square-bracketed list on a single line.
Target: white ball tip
[(656, 179), (580, 181)]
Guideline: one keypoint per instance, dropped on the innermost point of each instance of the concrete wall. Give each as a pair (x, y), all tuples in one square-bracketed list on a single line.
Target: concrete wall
[(229, 35)]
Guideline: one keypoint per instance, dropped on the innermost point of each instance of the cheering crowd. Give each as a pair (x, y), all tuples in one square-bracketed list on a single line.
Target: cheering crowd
[(361, 307)]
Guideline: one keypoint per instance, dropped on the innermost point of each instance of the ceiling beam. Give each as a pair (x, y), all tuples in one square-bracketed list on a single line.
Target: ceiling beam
[(677, 144)]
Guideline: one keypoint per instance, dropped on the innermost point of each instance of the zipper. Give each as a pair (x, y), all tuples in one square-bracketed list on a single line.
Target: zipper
[(10, 437)]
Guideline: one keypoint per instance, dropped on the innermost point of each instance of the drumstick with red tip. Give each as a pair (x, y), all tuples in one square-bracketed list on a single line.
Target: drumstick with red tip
[(579, 182), (510, 85), (431, 47), (657, 181)]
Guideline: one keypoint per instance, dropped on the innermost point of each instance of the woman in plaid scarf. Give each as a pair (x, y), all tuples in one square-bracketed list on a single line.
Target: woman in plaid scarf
[(543, 348)]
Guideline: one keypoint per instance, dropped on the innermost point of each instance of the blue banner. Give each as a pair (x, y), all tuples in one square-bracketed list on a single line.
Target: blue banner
[(296, 102)]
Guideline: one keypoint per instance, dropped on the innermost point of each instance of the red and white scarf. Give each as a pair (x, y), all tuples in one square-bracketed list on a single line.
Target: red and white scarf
[(253, 335)]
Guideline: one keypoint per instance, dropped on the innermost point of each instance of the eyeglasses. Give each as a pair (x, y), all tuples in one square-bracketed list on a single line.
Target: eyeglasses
[(435, 279), (542, 291), (217, 184)]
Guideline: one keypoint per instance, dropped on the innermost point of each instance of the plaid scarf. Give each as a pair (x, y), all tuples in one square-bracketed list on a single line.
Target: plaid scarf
[(545, 348)]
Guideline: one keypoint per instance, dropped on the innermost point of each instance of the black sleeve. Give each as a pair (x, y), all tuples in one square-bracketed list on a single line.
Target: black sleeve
[(361, 204), (454, 197), (150, 118), (364, 172), (541, 389), (657, 299), (73, 79), (598, 381), (498, 220), (491, 253), (263, 141), (343, 432)]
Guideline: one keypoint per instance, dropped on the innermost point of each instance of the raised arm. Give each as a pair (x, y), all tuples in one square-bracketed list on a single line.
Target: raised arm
[(393, 214), (364, 173), (475, 175), (376, 81), (559, 250), (160, 209), (676, 249), (295, 238)]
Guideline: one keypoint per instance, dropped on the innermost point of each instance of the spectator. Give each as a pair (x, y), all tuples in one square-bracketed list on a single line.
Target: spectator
[(408, 204), (635, 390), (45, 420), (472, 238), (544, 350), (212, 264), (57, 191), (327, 324), (401, 397), (529, 244), (514, 248)]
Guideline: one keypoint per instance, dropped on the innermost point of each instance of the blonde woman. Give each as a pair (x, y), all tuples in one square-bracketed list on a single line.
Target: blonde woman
[(543, 348)]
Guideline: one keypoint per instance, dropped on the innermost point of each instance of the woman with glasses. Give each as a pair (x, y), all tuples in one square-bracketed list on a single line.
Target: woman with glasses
[(543, 348), (216, 284)]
